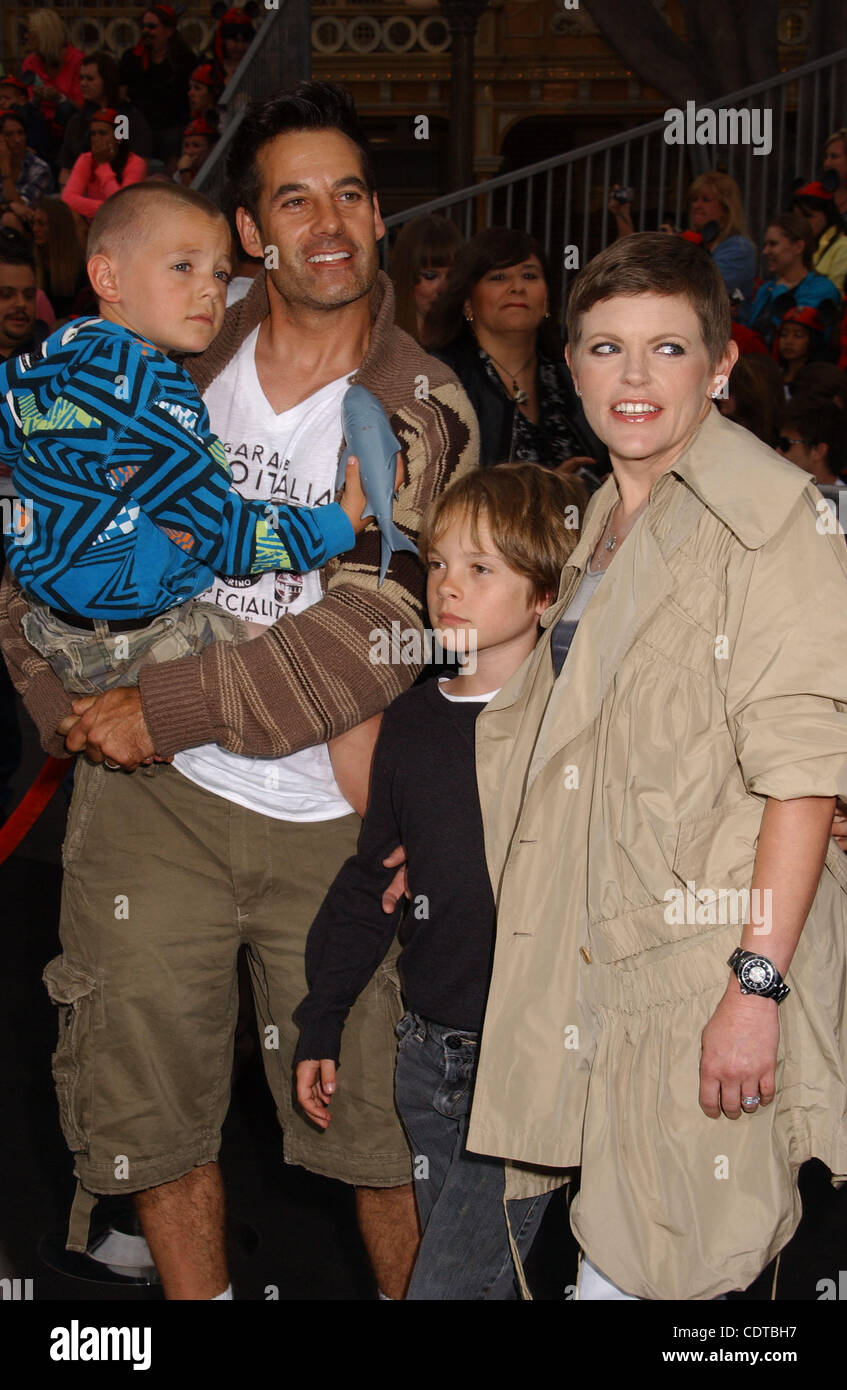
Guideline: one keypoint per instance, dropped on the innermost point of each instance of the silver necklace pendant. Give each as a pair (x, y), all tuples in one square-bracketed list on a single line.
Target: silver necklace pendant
[(611, 543), (521, 397)]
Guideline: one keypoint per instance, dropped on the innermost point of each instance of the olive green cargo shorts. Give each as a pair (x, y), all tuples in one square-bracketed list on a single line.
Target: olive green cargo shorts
[(164, 881), (90, 662)]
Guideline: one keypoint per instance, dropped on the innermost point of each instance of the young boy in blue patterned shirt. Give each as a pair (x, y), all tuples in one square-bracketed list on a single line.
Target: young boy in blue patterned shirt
[(128, 505)]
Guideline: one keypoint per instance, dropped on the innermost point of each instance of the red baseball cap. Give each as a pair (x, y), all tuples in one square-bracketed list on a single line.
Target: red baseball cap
[(200, 127), (205, 74), (812, 193), (807, 316)]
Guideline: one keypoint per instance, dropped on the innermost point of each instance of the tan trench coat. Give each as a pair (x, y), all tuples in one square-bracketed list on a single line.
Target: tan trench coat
[(708, 672)]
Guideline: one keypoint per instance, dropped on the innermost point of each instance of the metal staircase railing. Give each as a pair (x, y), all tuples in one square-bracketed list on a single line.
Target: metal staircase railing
[(563, 201), (278, 58)]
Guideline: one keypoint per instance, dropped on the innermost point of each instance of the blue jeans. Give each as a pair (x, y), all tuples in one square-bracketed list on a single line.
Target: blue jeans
[(464, 1252)]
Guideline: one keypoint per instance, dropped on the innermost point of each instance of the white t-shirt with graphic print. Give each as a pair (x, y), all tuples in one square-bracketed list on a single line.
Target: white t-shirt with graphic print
[(290, 458)]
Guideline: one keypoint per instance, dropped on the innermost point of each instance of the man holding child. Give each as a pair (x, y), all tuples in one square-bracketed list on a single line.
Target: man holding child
[(237, 841)]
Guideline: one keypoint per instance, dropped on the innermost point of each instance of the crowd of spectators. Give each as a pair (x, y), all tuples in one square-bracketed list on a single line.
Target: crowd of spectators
[(484, 308), (75, 127)]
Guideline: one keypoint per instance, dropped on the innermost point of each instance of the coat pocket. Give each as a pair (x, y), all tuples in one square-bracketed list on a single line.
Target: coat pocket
[(714, 862), (708, 881), (72, 989)]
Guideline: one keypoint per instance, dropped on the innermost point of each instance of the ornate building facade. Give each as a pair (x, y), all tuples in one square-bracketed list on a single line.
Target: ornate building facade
[(545, 79)]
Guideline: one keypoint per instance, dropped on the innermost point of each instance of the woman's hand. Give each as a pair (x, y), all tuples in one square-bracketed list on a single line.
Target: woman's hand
[(738, 1053)]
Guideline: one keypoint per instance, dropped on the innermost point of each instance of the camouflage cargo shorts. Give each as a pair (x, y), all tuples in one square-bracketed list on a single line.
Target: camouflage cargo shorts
[(90, 662)]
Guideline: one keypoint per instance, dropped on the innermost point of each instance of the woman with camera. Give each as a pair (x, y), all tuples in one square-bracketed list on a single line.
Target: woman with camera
[(716, 216)]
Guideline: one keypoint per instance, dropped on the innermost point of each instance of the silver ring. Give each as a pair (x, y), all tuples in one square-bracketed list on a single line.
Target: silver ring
[(113, 767), (751, 1100)]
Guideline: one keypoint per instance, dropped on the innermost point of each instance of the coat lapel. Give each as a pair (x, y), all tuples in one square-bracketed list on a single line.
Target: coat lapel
[(637, 582)]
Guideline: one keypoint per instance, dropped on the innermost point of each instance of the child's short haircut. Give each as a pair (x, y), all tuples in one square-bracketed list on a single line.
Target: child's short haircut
[(534, 516), (127, 217)]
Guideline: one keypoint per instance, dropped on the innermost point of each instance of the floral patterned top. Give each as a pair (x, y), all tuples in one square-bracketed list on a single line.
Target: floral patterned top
[(552, 440)]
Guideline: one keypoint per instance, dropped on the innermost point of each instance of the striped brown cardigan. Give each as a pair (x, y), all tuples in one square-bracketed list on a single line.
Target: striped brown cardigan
[(309, 677)]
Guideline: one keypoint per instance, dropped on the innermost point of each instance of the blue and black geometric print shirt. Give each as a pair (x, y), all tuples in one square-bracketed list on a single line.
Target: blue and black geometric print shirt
[(127, 493)]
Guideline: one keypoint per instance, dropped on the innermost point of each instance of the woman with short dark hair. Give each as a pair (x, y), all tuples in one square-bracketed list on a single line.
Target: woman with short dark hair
[(657, 793)]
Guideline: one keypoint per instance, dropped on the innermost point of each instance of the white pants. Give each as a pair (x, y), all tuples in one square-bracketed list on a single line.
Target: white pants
[(591, 1284)]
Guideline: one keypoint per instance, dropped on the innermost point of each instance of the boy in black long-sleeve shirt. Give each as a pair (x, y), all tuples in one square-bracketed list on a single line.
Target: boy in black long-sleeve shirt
[(494, 543)]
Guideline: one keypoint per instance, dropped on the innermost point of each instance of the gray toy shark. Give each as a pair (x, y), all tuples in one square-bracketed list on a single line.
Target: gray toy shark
[(369, 438)]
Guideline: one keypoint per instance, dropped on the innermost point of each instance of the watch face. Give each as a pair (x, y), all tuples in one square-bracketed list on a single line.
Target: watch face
[(757, 975)]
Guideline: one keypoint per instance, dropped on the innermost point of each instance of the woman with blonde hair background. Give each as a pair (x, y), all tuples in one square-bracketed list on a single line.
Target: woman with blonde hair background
[(422, 258), (713, 198), (55, 62), (716, 197)]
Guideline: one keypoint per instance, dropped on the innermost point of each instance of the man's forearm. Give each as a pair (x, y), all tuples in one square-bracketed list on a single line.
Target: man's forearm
[(307, 679)]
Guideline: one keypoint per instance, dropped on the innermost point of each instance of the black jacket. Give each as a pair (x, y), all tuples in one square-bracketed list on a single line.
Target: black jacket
[(495, 411)]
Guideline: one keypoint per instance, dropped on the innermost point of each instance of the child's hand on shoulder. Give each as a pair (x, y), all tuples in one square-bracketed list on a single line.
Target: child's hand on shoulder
[(315, 1087)]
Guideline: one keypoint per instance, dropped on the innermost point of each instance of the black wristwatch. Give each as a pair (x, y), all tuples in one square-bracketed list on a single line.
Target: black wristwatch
[(758, 975)]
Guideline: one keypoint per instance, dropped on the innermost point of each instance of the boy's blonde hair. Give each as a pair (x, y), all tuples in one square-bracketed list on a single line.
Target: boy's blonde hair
[(534, 516), (127, 217)]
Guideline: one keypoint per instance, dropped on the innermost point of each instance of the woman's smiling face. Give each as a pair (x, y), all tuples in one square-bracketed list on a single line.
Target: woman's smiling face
[(645, 376)]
